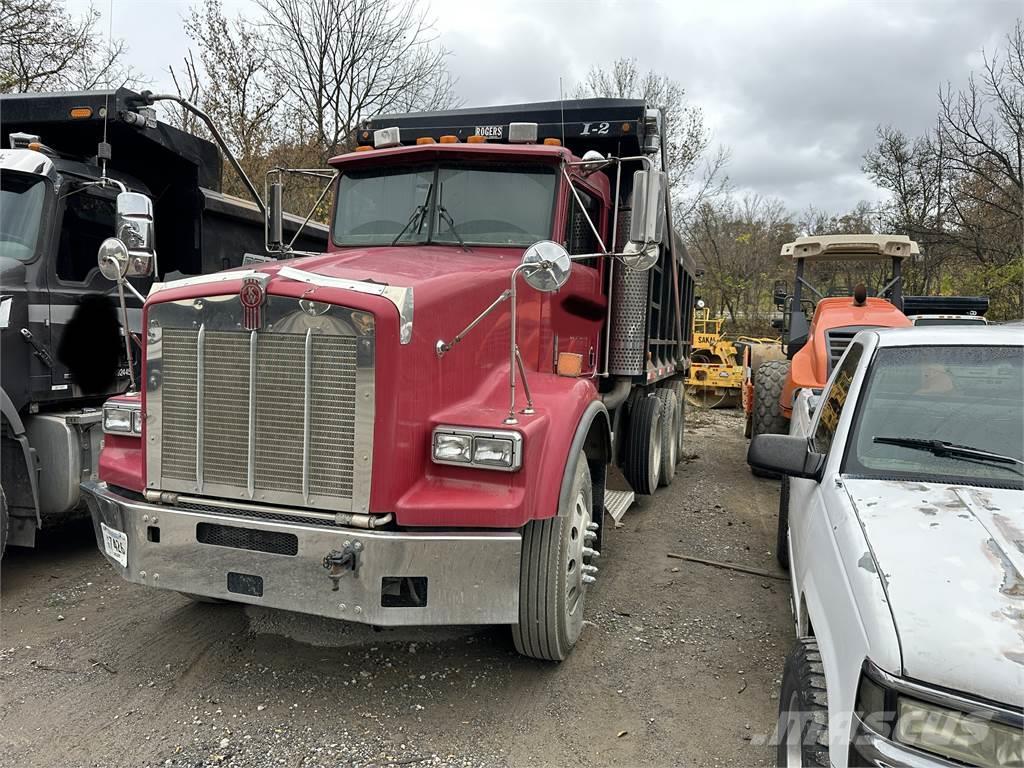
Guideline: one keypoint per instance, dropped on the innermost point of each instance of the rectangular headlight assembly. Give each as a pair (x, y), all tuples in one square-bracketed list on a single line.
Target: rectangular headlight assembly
[(122, 419), (486, 449)]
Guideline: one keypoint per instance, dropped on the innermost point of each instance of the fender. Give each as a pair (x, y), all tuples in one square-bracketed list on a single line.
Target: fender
[(596, 445), (11, 416)]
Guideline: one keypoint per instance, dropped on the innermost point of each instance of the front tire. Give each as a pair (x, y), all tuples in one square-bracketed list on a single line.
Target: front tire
[(803, 708), (551, 586), (782, 535)]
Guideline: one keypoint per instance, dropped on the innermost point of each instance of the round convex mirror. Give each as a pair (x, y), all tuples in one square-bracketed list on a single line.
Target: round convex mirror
[(547, 266), (639, 256), (113, 259)]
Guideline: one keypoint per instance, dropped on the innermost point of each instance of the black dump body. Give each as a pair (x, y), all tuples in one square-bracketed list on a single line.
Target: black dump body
[(618, 127), (945, 305), (197, 229)]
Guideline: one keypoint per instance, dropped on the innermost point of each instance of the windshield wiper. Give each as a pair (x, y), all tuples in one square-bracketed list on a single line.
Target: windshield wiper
[(442, 213), (943, 448), (420, 211)]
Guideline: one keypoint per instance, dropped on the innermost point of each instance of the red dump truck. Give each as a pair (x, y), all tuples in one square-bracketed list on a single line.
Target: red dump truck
[(417, 426)]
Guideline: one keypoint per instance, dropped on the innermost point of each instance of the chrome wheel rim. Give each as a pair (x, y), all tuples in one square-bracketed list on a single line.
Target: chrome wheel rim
[(655, 452), (673, 445), (578, 521)]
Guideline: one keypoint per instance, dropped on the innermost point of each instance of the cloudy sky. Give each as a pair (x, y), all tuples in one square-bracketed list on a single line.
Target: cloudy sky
[(794, 89)]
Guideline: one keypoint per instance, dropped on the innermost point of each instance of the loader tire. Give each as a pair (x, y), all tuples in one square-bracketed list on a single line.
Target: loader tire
[(803, 708), (768, 419), (670, 416), (782, 536), (551, 587), (642, 465)]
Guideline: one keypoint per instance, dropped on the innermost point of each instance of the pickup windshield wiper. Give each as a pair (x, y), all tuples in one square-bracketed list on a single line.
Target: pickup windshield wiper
[(419, 212), (952, 450)]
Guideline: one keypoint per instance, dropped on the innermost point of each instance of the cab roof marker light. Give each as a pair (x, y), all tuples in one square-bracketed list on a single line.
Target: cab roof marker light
[(387, 137), (425, 140), (476, 139), (522, 133), (552, 142), (449, 139), (364, 148)]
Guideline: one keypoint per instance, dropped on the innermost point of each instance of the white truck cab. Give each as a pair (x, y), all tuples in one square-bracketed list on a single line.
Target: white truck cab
[(903, 523)]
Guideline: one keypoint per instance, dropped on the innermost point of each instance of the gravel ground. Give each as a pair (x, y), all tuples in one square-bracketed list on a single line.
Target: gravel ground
[(679, 662)]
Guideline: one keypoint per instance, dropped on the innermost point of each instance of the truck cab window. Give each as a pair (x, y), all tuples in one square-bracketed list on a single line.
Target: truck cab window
[(88, 220), (834, 399), (579, 235), (21, 208)]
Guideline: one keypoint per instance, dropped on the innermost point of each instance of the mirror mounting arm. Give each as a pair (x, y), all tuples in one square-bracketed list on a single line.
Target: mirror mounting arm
[(443, 347)]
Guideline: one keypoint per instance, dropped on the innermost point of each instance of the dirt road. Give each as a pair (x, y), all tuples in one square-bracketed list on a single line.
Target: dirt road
[(678, 664)]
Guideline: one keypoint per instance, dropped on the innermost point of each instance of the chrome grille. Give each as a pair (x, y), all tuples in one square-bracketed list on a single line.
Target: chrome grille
[(278, 415)]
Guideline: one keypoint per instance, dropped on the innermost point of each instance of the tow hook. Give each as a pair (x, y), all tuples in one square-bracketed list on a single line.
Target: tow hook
[(339, 562)]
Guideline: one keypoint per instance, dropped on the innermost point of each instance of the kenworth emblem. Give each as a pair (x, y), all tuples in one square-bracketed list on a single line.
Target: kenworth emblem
[(252, 296)]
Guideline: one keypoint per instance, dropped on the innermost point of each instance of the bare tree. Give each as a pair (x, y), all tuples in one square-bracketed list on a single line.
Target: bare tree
[(340, 61), (43, 47), (696, 170)]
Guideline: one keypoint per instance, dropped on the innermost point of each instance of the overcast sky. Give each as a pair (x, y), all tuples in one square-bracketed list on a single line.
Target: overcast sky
[(794, 89)]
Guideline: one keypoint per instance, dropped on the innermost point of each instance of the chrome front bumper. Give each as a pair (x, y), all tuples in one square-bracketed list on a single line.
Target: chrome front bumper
[(470, 577)]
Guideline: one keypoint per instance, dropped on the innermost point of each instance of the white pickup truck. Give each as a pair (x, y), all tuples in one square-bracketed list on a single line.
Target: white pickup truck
[(904, 525)]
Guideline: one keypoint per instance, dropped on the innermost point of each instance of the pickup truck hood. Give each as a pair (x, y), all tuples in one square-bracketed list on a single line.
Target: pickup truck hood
[(951, 559)]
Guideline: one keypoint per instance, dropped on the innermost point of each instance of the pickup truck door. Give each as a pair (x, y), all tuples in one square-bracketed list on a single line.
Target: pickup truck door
[(810, 531)]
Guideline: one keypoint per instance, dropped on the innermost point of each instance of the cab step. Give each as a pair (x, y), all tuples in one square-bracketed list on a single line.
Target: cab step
[(617, 503)]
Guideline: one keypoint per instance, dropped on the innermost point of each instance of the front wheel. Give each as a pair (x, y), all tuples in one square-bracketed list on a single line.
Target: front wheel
[(552, 577), (803, 708)]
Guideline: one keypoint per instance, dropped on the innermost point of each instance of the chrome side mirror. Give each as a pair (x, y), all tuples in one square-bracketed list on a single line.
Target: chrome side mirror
[(647, 224), (546, 266), (134, 228), (113, 259), (275, 217)]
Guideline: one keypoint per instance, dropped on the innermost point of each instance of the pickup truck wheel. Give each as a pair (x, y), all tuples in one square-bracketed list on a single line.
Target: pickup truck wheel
[(551, 575), (670, 417), (768, 418), (642, 466), (782, 537), (803, 708), (4, 523)]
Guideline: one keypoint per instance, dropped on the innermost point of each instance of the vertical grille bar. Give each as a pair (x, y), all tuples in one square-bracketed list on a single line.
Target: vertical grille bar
[(251, 465), (200, 349), (306, 401)]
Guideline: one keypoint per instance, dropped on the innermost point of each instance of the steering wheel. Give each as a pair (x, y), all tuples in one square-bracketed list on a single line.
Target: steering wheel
[(374, 227)]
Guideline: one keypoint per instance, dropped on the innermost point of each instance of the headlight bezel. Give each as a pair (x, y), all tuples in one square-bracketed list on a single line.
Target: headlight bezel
[(512, 439), (898, 695), (130, 415)]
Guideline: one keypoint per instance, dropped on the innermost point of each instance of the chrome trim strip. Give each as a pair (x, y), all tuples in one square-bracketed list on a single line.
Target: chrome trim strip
[(998, 712), (401, 297), (251, 467), (200, 351), (306, 399), (217, 277)]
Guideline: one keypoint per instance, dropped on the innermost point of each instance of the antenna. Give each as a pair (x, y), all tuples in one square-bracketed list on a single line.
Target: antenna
[(561, 106), (103, 150)]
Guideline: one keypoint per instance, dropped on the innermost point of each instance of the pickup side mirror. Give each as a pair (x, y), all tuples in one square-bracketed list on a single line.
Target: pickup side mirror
[(786, 455), (134, 228)]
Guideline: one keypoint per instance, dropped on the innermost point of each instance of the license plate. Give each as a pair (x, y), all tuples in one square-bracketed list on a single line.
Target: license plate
[(115, 544)]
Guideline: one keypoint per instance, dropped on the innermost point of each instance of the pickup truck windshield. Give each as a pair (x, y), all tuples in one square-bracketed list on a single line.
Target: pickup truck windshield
[(21, 208), (964, 396), (445, 204)]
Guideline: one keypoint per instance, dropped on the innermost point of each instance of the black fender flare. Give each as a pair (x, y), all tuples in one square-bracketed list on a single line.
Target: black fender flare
[(13, 419), (595, 444)]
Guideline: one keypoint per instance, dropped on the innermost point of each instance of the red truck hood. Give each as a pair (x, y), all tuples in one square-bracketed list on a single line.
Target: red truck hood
[(419, 267)]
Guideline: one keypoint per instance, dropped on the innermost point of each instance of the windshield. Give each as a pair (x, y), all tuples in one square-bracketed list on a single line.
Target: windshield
[(449, 204), (968, 396), (21, 207)]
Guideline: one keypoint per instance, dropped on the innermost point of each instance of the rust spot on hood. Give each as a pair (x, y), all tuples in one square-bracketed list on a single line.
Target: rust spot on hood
[(1013, 582)]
